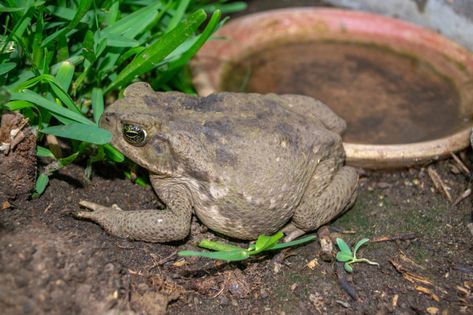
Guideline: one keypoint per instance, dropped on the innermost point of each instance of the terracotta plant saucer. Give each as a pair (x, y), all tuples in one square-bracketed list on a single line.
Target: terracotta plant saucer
[(406, 92)]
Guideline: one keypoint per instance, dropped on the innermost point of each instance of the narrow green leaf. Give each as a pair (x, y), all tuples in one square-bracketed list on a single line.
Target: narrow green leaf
[(133, 24), (157, 51), (183, 54), (6, 67), (219, 246), (41, 183), (44, 152), (84, 6), (308, 238), (88, 133), (359, 244), (64, 74), (343, 246), (117, 40), (178, 15), (40, 101), (68, 159), (264, 242), (4, 95), (343, 257), (226, 8), (113, 154), (97, 104), (234, 255)]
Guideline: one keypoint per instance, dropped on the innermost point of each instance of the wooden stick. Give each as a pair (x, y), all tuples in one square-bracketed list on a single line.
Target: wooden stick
[(398, 237)]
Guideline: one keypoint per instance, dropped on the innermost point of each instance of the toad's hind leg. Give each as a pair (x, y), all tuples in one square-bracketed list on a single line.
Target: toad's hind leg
[(319, 206)]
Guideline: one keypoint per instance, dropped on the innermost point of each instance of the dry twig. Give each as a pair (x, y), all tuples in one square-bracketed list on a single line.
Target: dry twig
[(398, 237), (438, 183)]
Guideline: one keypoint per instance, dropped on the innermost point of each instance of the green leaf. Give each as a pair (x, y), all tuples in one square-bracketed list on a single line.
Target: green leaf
[(68, 159), (264, 242), (359, 244), (88, 133), (133, 24), (178, 15), (82, 9), (41, 183), (97, 104), (42, 102), (218, 246), (117, 40), (64, 74), (348, 267), (113, 154), (152, 55), (344, 257), (344, 247), (44, 152), (7, 66), (299, 241), (234, 255)]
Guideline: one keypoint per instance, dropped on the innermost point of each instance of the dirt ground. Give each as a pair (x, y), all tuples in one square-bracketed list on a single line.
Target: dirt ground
[(52, 263)]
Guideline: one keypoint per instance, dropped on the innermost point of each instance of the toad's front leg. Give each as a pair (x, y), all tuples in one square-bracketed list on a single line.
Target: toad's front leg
[(170, 224)]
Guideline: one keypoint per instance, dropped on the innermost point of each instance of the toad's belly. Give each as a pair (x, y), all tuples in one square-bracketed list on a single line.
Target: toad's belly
[(243, 221)]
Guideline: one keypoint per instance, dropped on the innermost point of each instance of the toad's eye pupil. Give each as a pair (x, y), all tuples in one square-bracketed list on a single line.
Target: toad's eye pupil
[(134, 134)]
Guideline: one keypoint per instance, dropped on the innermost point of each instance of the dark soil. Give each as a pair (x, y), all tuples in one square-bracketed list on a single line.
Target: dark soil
[(52, 263)]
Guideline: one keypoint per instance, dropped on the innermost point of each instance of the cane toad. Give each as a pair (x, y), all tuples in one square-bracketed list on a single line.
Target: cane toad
[(244, 164)]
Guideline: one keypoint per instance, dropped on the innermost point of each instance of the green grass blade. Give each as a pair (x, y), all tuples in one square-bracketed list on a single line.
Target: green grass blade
[(157, 51), (117, 40), (64, 74), (178, 15), (68, 159), (187, 52), (44, 152), (218, 246), (87, 133), (84, 6), (308, 238), (113, 154), (97, 104), (264, 242), (133, 24), (32, 97), (235, 255), (41, 183), (6, 67), (226, 8)]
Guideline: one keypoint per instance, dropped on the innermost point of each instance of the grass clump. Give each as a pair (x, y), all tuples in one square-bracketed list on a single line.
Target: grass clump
[(228, 252), (61, 60)]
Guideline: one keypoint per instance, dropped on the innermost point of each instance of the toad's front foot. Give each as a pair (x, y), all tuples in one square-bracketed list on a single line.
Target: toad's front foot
[(110, 218), (149, 225)]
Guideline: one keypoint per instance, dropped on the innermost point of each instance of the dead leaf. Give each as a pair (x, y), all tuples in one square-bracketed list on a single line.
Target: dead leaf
[(5, 205), (429, 292), (313, 263), (395, 299), (432, 310), (180, 263)]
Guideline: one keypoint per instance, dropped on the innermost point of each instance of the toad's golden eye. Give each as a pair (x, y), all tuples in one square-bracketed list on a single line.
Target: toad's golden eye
[(134, 134)]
